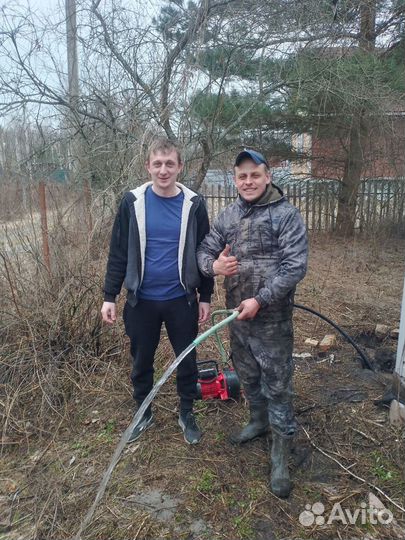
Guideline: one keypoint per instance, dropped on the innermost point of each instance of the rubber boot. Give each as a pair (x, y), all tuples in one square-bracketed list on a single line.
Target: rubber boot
[(280, 483), (258, 424)]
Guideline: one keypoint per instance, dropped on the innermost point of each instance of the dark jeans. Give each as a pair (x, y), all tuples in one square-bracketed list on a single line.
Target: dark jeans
[(143, 324)]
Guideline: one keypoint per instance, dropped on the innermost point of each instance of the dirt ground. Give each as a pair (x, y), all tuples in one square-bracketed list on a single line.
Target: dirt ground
[(346, 457)]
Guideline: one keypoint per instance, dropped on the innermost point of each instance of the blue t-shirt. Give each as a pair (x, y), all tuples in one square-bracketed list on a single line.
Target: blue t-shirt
[(161, 280)]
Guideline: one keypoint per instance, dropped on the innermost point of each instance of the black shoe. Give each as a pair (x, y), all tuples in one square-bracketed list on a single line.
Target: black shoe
[(188, 424), (145, 423)]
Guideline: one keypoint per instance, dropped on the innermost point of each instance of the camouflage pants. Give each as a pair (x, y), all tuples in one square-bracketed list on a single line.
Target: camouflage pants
[(262, 357)]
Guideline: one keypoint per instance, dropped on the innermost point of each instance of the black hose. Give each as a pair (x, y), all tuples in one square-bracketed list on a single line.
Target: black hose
[(349, 339)]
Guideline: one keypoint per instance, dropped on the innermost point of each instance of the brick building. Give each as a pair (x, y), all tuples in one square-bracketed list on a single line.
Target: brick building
[(384, 152)]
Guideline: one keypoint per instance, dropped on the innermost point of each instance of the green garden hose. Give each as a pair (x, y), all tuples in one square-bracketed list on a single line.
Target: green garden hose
[(232, 314)]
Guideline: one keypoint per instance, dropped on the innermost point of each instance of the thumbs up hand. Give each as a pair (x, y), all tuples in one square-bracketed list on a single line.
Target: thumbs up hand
[(226, 265)]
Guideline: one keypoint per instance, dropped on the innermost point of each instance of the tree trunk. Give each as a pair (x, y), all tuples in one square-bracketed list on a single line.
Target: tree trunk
[(206, 161), (367, 25), (346, 217)]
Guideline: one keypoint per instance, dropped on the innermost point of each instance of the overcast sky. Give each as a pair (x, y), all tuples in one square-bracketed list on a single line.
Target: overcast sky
[(49, 6), (46, 6)]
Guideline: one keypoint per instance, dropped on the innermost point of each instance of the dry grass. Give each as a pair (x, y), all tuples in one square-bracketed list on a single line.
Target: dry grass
[(66, 398)]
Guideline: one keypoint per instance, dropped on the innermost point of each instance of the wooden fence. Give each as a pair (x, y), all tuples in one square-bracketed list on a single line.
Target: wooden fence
[(379, 202)]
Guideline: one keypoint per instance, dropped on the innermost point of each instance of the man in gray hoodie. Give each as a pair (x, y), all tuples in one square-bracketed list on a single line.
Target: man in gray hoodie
[(259, 243)]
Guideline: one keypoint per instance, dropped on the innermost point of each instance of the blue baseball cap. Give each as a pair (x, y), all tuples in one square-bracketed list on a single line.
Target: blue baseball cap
[(257, 157)]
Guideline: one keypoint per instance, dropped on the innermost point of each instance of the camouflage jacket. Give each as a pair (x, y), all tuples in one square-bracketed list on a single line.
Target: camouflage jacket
[(269, 240)]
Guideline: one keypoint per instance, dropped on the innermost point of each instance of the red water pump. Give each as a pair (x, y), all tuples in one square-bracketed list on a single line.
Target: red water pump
[(216, 384), (213, 382)]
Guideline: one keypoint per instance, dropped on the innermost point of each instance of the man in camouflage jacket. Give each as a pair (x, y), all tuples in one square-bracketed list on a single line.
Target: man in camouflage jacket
[(259, 244)]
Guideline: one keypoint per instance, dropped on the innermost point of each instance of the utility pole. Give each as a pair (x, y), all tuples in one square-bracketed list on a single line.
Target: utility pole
[(72, 60), (76, 146)]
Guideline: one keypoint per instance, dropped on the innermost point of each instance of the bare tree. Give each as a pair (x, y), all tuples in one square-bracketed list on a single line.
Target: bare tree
[(139, 76)]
